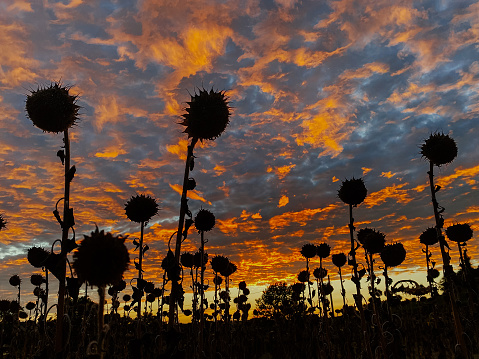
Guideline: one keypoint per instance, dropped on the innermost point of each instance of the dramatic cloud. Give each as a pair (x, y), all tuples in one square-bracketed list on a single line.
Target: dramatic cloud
[(320, 92)]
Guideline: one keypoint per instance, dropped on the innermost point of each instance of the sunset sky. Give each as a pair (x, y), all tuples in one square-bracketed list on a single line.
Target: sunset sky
[(321, 91)]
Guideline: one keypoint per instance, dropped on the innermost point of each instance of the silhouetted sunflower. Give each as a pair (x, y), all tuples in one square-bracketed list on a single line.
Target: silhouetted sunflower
[(52, 109), (37, 279), (204, 220), (187, 259), (303, 276), (459, 232), (197, 258), (101, 259), (327, 289), (393, 255), (37, 256), (308, 250), (439, 148), (352, 191), (319, 273), (219, 263), (339, 259), (207, 116), (429, 236), (433, 273), (230, 269), (14, 280), (372, 241), (141, 208), (323, 250)]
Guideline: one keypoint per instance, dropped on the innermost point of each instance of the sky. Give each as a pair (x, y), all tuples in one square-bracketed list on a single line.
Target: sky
[(320, 92)]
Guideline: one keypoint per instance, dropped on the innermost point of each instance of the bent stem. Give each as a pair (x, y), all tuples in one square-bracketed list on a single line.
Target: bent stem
[(179, 234)]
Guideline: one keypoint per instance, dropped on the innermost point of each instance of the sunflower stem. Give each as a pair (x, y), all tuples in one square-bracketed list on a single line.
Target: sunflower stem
[(63, 254), (179, 235)]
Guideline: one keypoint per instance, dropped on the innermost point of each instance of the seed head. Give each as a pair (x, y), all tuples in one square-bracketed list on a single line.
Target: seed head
[(204, 220), (101, 259), (372, 241), (207, 116), (323, 250), (439, 148), (393, 255), (308, 250), (459, 232), (52, 108), (141, 208), (339, 259), (353, 191), (429, 236)]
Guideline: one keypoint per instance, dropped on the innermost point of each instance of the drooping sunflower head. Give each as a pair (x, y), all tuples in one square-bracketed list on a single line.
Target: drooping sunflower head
[(429, 236), (219, 263), (230, 269), (303, 276), (393, 255), (372, 241), (52, 108), (187, 259), (320, 272), (204, 220), (141, 208), (207, 116), (439, 148), (353, 191), (459, 232), (101, 259), (37, 256)]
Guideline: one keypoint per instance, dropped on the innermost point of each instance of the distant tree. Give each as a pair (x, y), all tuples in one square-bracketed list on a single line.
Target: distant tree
[(279, 299)]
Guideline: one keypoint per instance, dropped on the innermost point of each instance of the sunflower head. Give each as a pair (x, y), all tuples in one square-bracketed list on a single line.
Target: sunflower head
[(187, 259), (320, 272), (308, 250), (393, 255), (439, 148), (303, 276), (429, 236), (372, 241), (219, 263), (204, 220), (15, 280), (37, 256), (207, 116), (352, 191), (459, 232), (52, 108), (323, 250), (37, 280), (141, 208), (230, 269), (339, 259), (101, 258)]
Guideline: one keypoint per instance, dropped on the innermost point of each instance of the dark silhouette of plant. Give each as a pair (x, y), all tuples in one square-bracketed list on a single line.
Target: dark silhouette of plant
[(323, 250), (440, 149), (429, 238), (140, 209), (53, 109), (353, 192), (339, 260), (100, 260), (206, 118), (279, 300), (460, 233), (3, 222), (392, 255), (219, 264), (15, 281)]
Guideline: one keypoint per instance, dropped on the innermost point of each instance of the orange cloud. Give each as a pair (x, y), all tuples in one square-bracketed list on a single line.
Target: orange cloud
[(394, 192), (283, 201), (301, 217), (191, 194)]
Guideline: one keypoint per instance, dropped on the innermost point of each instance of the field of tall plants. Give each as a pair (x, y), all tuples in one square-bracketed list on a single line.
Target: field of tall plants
[(140, 318)]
